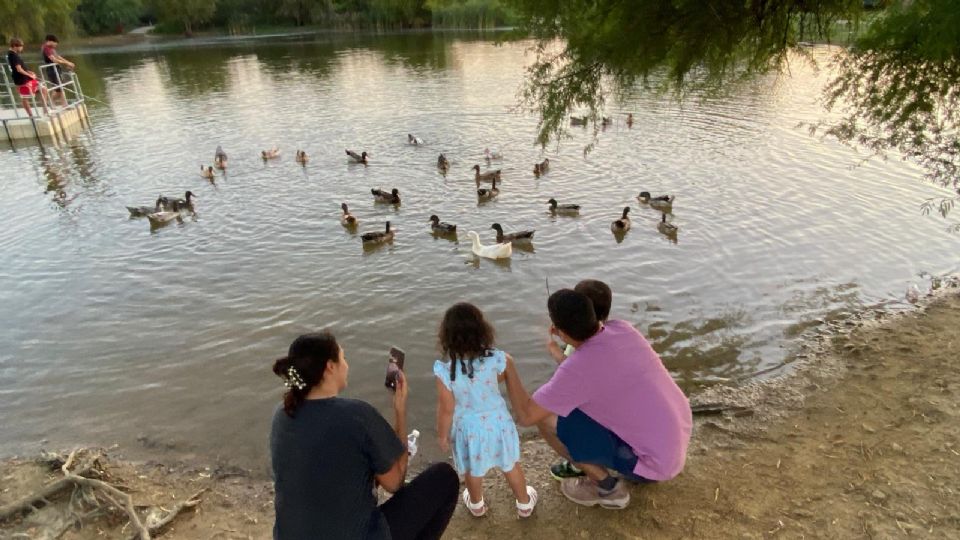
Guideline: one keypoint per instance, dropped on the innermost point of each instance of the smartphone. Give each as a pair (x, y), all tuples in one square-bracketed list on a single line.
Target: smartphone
[(394, 367)]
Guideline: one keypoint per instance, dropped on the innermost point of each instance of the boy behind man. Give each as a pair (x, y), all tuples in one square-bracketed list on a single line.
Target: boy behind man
[(23, 78)]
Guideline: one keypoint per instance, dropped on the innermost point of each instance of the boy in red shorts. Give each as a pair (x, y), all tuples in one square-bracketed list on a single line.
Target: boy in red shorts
[(25, 79)]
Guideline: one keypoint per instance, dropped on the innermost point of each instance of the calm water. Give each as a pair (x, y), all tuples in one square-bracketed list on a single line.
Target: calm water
[(112, 331)]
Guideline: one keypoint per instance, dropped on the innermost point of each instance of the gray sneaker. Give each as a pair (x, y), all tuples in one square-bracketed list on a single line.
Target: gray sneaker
[(585, 491)]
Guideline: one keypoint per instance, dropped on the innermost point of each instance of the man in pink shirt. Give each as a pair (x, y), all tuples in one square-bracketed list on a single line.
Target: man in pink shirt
[(611, 405)]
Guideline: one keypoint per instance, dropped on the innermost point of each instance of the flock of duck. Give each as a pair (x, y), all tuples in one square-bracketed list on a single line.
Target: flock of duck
[(166, 209)]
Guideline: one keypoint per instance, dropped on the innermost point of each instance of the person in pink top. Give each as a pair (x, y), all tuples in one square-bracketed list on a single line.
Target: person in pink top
[(610, 405)]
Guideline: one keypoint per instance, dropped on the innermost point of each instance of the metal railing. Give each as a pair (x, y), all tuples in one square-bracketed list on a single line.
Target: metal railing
[(50, 107)]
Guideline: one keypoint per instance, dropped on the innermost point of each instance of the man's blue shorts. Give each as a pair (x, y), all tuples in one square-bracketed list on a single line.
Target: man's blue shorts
[(589, 442)]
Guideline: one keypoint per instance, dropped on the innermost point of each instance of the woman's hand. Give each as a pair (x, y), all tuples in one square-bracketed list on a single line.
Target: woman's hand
[(400, 395)]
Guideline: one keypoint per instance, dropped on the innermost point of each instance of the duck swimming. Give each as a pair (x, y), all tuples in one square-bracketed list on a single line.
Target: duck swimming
[(220, 158), (393, 197), (519, 236), (159, 218), (273, 153), (443, 163), (668, 229), (663, 202), (414, 140), (186, 203), (347, 219), (621, 225), (378, 237), (564, 209), (206, 172), (488, 176), (441, 227), (301, 157), (143, 211), (485, 194), (629, 120), (495, 251), (358, 158), (541, 168)]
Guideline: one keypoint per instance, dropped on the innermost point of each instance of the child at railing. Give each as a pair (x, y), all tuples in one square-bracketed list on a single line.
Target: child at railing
[(53, 72), (25, 79)]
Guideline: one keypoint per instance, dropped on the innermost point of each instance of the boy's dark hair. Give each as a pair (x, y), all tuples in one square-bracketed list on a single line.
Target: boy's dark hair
[(572, 313), (600, 294), (464, 336), (51, 37), (16, 42), (307, 357)]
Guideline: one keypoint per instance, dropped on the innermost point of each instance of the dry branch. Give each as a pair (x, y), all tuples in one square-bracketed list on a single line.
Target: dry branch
[(111, 492), (26, 504)]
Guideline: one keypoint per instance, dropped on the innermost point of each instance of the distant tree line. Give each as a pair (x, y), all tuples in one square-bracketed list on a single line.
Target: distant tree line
[(32, 19)]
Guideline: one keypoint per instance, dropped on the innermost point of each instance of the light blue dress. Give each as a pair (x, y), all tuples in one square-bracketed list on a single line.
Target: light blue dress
[(483, 434)]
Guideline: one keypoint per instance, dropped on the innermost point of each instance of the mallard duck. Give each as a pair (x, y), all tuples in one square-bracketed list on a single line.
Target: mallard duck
[(302, 157), (663, 202), (519, 236), (541, 168), (443, 163), (578, 120), (159, 218), (668, 229), (273, 153), (378, 237), (495, 251), (492, 155), (621, 225), (629, 120), (564, 209), (488, 176), (441, 227), (143, 211), (414, 140), (485, 194), (220, 158), (185, 203), (393, 197), (347, 219), (206, 172), (358, 158)]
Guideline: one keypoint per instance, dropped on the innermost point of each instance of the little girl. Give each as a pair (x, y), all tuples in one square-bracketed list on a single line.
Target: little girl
[(472, 417)]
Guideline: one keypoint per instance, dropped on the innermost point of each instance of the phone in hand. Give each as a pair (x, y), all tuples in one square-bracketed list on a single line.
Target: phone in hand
[(394, 367)]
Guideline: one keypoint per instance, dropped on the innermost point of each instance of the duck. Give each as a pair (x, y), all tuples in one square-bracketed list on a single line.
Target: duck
[(519, 236), (414, 140), (380, 237), (441, 227), (185, 203), (143, 211), (578, 120), (485, 194), (159, 218), (206, 172), (668, 229), (541, 168), (494, 251), (443, 163), (606, 121), (564, 209), (347, 219), (301, 157), (621, 225), (393, 197), (629, 120), (663, 202), (495, 155), (273, 153), (220, 158), (358, 158), (488, 176)]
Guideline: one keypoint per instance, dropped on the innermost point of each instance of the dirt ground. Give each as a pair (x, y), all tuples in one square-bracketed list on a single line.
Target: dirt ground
[(861, 441)]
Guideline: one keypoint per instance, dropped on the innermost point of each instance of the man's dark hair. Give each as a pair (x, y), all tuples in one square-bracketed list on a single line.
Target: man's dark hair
[(51, 37), (16, 42), (572, 313), (600, 294)]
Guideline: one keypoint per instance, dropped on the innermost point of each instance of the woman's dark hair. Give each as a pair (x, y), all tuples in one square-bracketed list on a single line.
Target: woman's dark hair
[(464, 336), (599, 293), (303, 366), (573, 313)]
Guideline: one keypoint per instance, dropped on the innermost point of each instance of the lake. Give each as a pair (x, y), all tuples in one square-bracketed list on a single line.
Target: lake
[(162, 340)]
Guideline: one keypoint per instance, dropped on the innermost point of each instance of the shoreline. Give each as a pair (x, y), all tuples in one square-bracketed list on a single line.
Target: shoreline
[(830, 448)]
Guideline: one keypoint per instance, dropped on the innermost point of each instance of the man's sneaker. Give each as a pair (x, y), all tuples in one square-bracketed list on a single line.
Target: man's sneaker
[(565, 469), (586, 492)]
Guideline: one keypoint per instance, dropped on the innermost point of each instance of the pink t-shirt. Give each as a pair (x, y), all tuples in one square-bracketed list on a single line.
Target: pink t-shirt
[(617, 379)]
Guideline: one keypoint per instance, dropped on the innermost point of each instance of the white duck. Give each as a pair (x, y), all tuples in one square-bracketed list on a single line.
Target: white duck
[(493, 251), (159, 218)]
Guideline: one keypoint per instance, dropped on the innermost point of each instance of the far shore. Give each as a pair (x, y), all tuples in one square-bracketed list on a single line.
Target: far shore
[(862, 440)]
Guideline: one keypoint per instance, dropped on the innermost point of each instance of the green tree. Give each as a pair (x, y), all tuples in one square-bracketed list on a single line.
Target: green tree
[(105, 16), (189, 13), (32, 19)]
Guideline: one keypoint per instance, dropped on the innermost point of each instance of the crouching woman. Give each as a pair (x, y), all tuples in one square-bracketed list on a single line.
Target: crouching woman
[(328, 452)]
